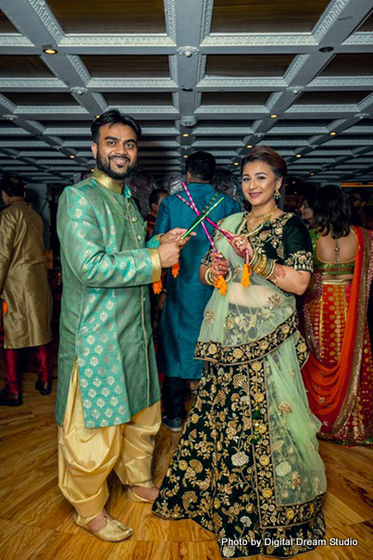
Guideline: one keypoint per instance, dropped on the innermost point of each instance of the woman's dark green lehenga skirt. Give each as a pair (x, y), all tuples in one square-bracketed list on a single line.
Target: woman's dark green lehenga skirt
[(223, 471)]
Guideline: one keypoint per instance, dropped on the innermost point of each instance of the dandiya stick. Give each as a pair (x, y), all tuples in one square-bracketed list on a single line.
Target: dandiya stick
[(227, 235)]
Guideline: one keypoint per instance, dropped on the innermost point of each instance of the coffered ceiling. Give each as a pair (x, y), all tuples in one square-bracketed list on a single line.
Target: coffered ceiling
[(217, 75)]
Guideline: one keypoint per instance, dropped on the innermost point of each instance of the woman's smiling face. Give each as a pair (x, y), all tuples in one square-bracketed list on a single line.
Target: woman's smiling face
[(259, 183)]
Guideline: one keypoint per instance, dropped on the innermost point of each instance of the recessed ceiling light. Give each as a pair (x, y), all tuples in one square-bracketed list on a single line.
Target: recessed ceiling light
[(71, 156), (92, 170), (185, 156), (326, 49), (186, 135), (311, 174), (249, 146), (236, 163), (274, 116), (332, 133), (48, 49), (97, 116), (298, 155)]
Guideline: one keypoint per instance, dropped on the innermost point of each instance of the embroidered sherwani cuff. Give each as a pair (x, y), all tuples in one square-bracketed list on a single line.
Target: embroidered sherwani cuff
[(155, 241), (157, 265)]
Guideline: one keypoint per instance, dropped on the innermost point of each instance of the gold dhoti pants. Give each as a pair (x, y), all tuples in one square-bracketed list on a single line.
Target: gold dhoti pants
[(86, 456)]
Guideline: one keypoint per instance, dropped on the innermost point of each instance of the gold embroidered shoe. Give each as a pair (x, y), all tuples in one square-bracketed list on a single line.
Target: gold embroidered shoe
[(114, 530)]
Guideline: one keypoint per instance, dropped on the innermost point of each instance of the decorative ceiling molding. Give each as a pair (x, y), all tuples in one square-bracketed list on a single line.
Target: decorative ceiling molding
[(333, 12), (246, 84), (100, 41), (295, 67), (256, 40), (43, 84), (47, 18), (14, 41), (135, 84)]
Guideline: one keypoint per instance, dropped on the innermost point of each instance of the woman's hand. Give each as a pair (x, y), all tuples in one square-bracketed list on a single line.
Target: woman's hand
[(240, 244), (219, 265)]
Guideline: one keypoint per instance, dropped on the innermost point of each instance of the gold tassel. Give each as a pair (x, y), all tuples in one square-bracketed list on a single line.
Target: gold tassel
[(221, 284), (157, 287), (245, 281), (175, 270)]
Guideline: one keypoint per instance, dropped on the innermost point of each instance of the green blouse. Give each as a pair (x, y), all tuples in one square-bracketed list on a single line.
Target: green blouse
[(284, 239)]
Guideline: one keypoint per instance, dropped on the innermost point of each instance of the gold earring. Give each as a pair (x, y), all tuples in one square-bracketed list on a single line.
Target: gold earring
[(277, 195)]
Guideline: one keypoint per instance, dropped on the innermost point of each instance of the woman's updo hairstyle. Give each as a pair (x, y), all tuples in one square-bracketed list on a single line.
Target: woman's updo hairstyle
[(270, 157)]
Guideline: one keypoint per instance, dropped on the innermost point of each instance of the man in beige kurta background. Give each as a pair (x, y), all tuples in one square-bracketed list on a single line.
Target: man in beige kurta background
[(24, 289)]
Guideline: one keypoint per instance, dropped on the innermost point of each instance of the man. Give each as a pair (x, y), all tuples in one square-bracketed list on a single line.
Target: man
[(108, 395), (186, 297), (24, 289)]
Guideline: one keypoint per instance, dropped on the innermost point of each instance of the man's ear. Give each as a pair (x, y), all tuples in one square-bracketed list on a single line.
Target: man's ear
[(94, 148), (188, 177)]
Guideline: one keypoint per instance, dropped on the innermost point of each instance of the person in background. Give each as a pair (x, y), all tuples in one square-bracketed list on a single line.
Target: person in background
[(339, 373), (359, 199), (306, 206), (24, 289), (186, 297), (155, 199)]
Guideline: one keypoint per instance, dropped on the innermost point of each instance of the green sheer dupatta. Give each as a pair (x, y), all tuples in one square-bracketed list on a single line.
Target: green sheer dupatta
[(253, 333)]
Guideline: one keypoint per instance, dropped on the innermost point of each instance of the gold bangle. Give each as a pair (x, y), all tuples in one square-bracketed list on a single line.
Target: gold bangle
[(208, 277)]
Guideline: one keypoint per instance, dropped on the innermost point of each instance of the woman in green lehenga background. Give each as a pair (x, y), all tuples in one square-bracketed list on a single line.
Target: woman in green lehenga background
[(247, 466)]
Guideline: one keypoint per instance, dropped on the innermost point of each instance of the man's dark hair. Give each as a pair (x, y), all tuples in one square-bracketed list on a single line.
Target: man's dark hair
[(113, 116), (201, 165), (12, 184), (154, 196), (332, 212)]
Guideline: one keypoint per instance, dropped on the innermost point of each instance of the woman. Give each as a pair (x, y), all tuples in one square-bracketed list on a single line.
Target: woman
[(339, 373), (247, 466)]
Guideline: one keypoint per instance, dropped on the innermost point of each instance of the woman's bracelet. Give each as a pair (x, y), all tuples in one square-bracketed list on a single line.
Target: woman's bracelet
[(210, 278), (262, 265)]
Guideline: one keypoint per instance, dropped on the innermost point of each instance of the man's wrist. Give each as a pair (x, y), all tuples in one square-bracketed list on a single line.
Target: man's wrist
[(157, 264)]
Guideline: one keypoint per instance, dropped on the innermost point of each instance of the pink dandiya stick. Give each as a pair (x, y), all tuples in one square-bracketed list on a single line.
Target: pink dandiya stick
[(227, 235), (198, 213)]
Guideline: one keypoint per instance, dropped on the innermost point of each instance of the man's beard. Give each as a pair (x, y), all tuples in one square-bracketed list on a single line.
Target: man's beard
[(105, 167)]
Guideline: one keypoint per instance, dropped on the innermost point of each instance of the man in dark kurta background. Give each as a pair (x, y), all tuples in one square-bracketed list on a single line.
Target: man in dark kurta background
[(186, 297), (27, 300)]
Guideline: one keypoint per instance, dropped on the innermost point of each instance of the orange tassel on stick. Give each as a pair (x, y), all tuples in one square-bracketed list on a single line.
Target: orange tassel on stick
[(175, 270), (221, 284), (157, 287), (245, 281), (5, 308)]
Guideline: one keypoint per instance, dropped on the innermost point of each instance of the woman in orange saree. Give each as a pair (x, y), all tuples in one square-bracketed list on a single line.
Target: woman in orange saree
[(339, 373)]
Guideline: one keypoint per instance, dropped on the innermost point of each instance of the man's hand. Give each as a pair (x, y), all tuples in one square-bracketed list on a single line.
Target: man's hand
[(175, 235), (169, 253)]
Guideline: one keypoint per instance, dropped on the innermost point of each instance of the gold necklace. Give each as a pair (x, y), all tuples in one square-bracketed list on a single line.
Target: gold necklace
[(255, 229), (263, 216)]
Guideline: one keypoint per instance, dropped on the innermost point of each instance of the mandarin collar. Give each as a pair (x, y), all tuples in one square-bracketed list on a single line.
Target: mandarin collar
[(109, 183)]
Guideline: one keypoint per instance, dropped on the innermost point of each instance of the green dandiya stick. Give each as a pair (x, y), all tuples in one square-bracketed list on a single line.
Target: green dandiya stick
[(201, 217)]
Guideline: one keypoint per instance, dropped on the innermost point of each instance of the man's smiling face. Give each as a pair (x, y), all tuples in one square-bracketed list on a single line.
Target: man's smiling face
[(116, 150)]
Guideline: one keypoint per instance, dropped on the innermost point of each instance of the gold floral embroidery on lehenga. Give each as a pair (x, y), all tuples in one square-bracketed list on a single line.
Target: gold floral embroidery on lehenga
[(247, 465)]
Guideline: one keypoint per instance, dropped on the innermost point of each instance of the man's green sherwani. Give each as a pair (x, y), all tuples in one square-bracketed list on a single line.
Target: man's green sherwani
[(105, 315)]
